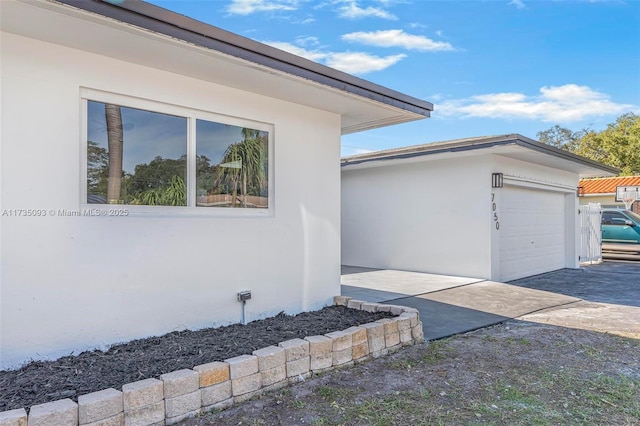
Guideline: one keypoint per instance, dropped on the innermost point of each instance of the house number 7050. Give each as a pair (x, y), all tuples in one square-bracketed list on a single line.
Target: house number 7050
[(494, 208)]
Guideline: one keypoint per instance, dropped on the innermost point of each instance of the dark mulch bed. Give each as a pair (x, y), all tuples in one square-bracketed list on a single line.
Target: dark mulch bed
[(71, 376)]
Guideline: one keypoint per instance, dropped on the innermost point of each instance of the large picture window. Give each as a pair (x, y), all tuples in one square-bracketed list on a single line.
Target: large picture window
[(171, 156)]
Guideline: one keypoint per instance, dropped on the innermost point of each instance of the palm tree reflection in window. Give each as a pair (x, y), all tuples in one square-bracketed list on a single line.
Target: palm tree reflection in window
[(240, 179), (136, 156), (129, 161), (115, 137)]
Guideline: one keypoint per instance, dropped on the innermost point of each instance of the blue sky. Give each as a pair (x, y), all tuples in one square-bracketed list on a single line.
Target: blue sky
[(489, 67)]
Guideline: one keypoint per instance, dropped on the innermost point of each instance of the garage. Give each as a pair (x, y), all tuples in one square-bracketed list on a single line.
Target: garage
[(532, 232), (498, 208)]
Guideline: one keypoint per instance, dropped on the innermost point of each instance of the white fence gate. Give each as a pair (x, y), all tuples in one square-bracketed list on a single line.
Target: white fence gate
[(590, 232)]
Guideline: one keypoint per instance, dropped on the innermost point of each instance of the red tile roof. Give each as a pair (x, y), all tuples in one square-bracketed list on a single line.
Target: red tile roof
[(607, 185)]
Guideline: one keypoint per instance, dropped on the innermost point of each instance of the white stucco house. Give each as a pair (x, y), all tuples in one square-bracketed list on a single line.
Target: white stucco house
[(154, 166), (498, 208)]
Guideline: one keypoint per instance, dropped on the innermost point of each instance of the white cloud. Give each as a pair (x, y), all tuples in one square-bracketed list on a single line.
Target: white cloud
[(312, 55), (307, 41), (436, 97), (397, 38), (517, 3), (247, 7), (566, 103), (361, 63), (350, 9), (417, 25), (350, 150), (350, 62)]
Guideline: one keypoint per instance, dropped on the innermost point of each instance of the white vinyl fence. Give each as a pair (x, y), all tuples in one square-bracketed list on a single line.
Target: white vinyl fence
[(590, 232)]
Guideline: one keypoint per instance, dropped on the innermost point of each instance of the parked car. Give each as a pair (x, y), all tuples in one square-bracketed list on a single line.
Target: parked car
[(620, 231)]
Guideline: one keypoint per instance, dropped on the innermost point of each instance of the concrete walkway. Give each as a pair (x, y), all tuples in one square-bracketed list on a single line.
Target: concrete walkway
[(452, 305)]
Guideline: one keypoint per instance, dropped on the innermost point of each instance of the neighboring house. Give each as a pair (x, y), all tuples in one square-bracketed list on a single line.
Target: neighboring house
[(606, 191), (219, 157), (499, 208)]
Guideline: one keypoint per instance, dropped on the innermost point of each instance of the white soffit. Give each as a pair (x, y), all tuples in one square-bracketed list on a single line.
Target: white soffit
[(78, 29), (511, 146), (523, 154)]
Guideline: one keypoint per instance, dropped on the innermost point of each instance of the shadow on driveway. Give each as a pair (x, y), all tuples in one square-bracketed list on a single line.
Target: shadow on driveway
[(603, 297), (615, 282), (440, 320), (448, 305)]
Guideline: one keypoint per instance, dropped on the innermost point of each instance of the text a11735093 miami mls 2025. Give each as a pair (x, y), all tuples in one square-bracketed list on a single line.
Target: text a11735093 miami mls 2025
[(85, 212)]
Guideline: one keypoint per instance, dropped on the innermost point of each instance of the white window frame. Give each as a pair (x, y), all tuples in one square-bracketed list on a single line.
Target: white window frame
[(191, 115)]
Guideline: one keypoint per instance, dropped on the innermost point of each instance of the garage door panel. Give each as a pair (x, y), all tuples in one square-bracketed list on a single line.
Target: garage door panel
[(532, 232)]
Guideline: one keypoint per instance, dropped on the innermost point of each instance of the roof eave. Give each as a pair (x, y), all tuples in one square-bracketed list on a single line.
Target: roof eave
[(474, 144), (180, 27), (556, 152), (422, 150)]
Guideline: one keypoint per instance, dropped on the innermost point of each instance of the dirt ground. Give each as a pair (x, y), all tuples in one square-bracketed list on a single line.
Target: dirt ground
[(515, 373), (72, 376)]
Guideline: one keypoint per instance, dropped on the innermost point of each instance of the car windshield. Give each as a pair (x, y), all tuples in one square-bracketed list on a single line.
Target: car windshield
[(634, 216)]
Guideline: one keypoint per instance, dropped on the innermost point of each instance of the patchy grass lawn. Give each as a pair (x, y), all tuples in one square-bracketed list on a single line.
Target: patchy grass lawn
[(517, 373)]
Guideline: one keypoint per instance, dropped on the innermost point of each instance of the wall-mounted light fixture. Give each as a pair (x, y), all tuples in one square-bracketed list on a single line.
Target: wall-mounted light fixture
[(497, 180), (243, 296)]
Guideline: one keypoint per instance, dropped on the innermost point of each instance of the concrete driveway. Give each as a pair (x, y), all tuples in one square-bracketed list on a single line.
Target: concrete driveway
[(609, 295), (603, 297)]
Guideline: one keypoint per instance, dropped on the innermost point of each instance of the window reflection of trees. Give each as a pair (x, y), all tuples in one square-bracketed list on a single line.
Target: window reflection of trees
[(239, 180), (159, 182)]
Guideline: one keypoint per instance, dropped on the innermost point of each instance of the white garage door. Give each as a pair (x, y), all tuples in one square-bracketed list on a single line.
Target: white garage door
[(532, 232)]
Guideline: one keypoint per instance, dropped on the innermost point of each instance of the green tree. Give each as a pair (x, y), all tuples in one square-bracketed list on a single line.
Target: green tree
[(156, 174), (244, 166), (205, 175), (561, 137), (243, 171), (174, 194), (161, 182), (97, 169), (618, 145)]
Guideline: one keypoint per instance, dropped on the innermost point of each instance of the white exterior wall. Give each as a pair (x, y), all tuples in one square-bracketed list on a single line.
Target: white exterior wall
[(544, 179), (537, 172), (435, 214), (428, 216), (600, 199), (76, 283)]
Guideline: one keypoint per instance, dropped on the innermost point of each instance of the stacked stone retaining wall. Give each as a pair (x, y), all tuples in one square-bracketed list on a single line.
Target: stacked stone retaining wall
[(218, 385)]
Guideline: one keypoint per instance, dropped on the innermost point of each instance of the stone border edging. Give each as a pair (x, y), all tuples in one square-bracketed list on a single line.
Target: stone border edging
[(185, 393)]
